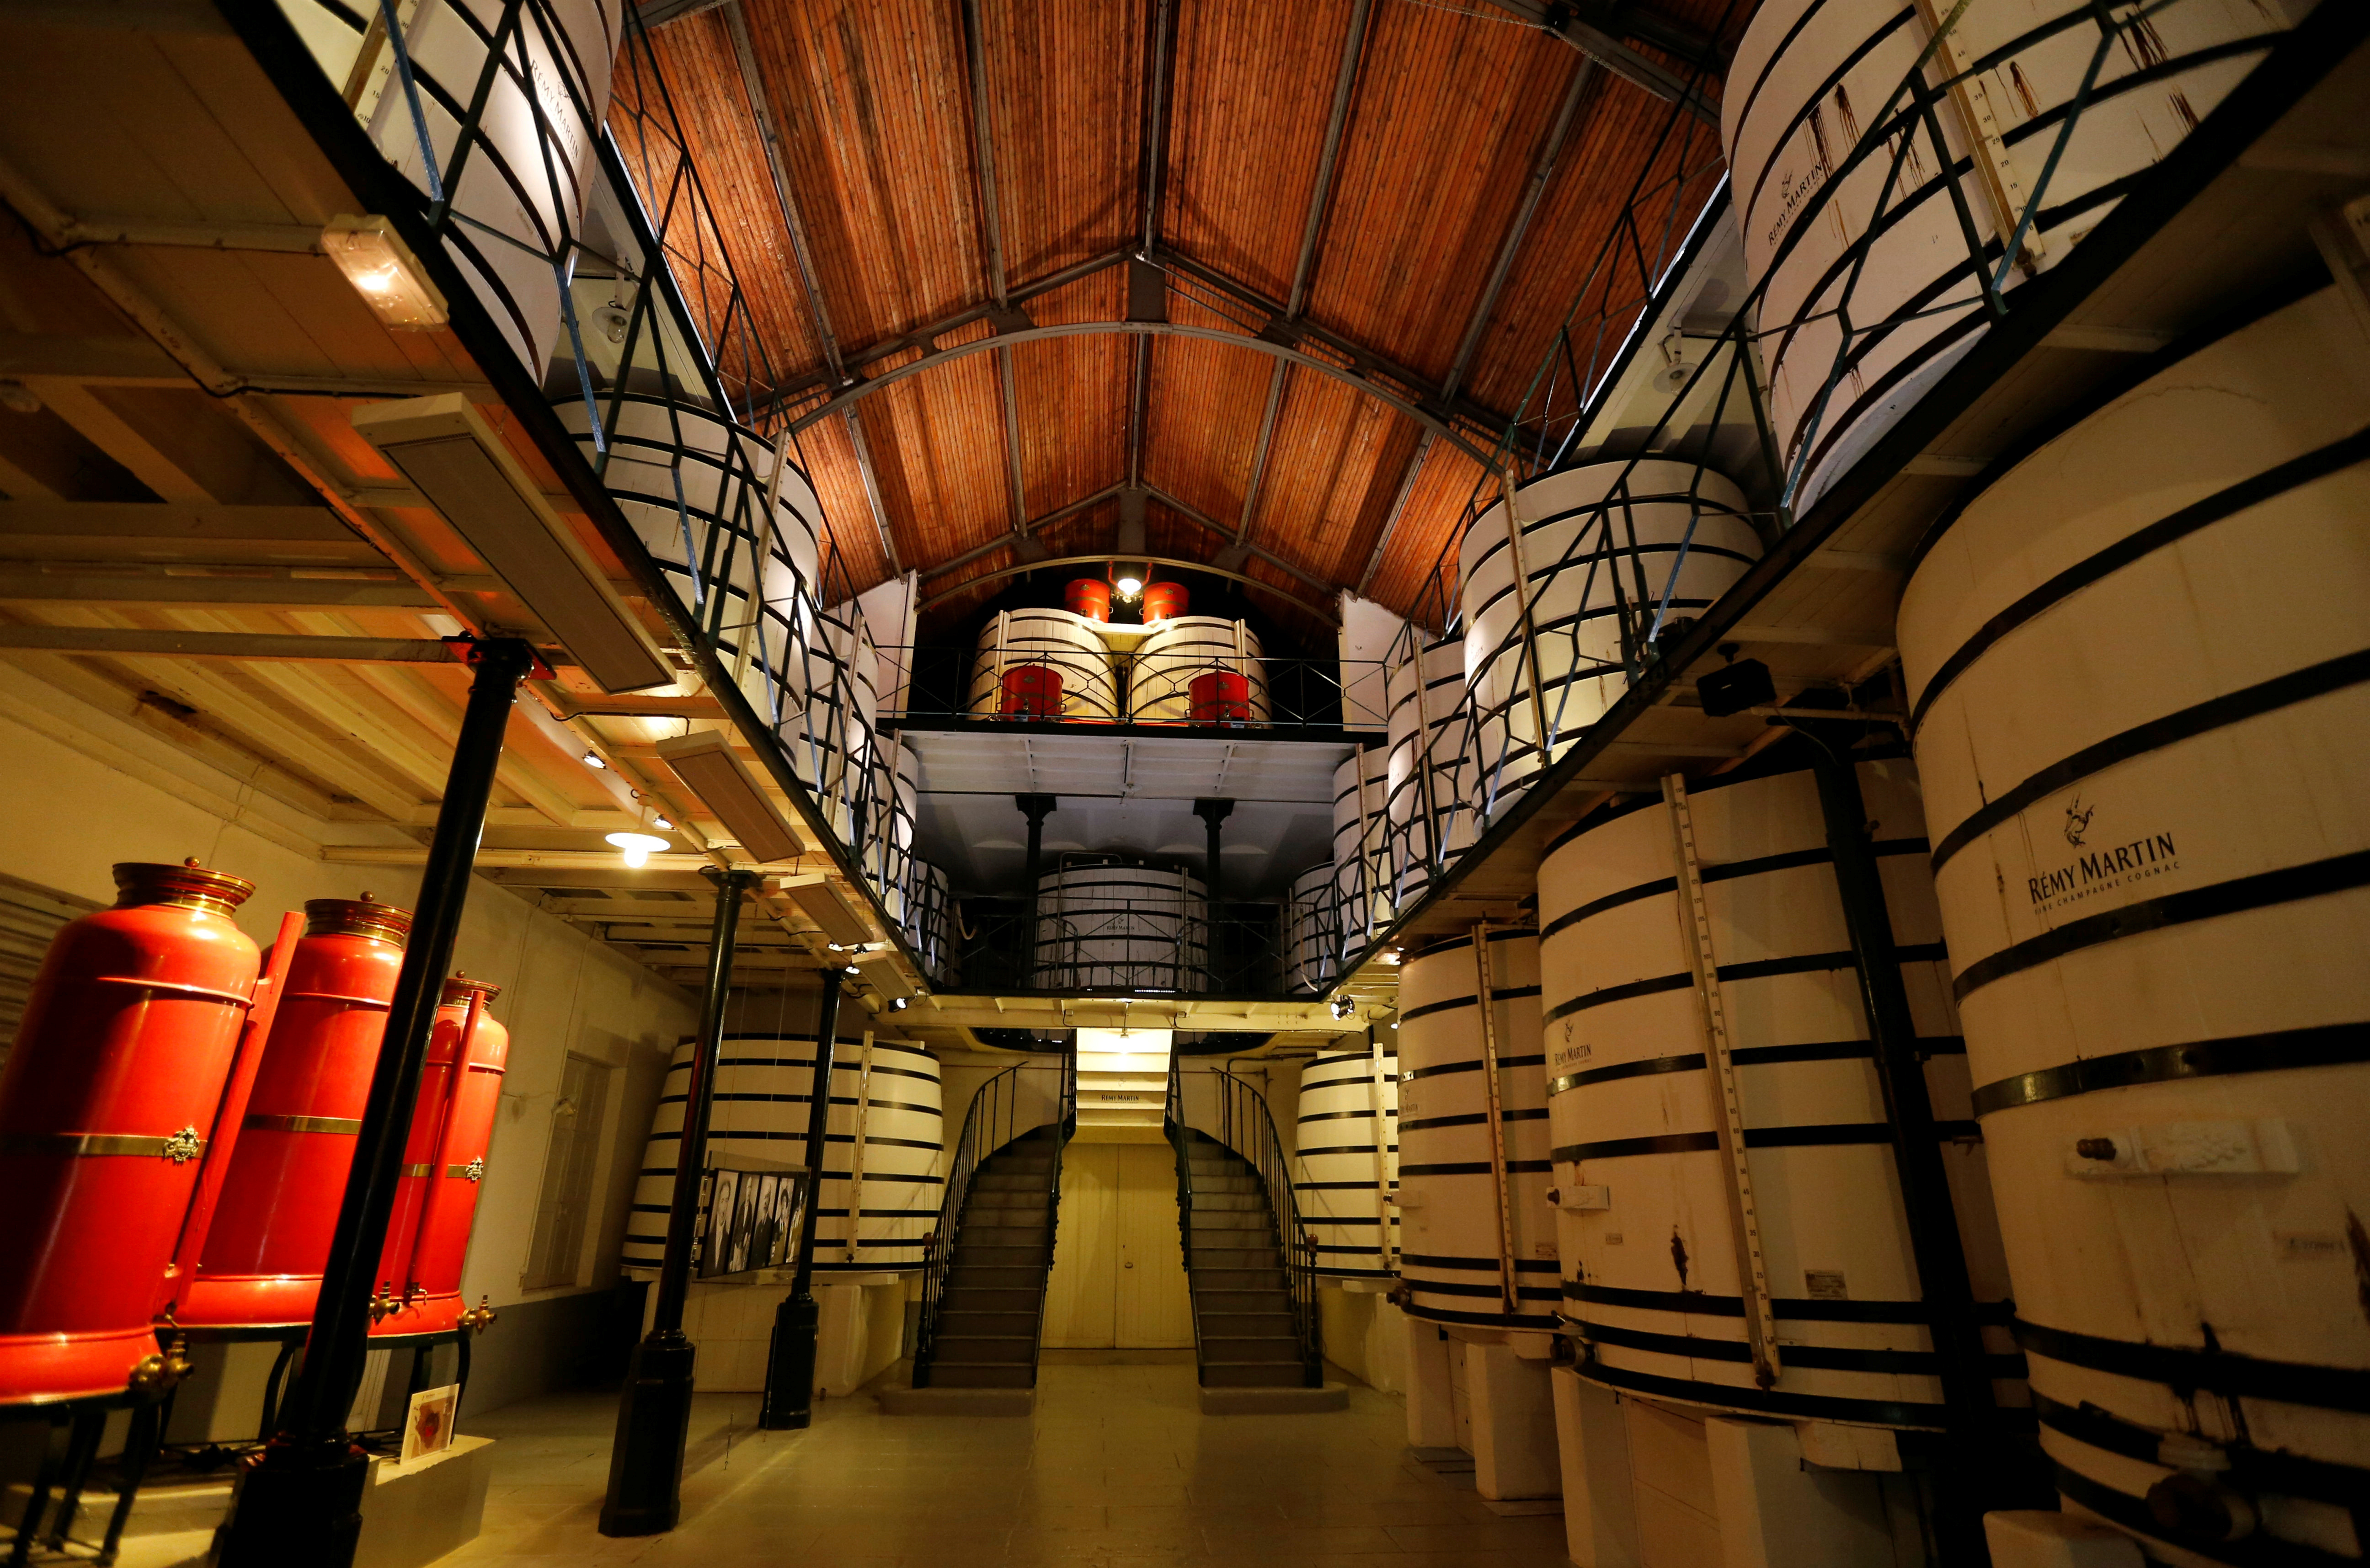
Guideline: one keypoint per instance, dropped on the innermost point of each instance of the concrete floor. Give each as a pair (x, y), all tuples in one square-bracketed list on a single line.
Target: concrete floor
[(1118, 1468)]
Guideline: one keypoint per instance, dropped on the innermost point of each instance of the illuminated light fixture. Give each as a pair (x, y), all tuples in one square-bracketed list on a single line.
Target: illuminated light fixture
[(897, 1004), (639, 846), (384, 272), (445, 448), (1344, 1007), (853, 970), (1388, 955), (660, 822), (1129, 587), (703, 761), (820, 902), (593, 759)]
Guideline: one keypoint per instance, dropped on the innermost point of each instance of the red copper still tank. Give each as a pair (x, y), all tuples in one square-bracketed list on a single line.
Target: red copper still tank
[(105, 1107), (426, 1288), (269, 1238)]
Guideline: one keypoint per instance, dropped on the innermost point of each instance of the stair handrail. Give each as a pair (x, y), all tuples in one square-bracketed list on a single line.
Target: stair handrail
[(1065, 1125), (1180, 1139), (1247, 1126), (987, 1127)]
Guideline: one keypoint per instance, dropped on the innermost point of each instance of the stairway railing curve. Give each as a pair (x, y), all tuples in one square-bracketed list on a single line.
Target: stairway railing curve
[(1242, 1122), (992, 1122)]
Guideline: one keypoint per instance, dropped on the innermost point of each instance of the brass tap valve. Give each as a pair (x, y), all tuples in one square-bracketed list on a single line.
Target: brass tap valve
[(478, 1319)]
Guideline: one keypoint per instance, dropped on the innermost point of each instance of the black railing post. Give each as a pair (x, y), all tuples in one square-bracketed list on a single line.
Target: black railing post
[(654, 1412), (789, 1365), (303, 1501)]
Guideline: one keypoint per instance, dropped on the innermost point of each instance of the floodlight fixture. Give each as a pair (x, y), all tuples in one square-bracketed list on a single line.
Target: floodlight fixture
[(705, 763)]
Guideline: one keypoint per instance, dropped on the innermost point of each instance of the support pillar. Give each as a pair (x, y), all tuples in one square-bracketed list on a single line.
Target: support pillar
[(1036, 808), (791, 1364), (1213, 813), (1600, 1508), (654, 1415), (1970, 1478), (1513, 1425), (1430, 1388), (301, 1502)]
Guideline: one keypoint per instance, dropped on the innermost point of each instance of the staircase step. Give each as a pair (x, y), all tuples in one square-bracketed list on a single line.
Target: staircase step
[(961, 1296), (1251, 1375), (1267, 1257), (978, 1232), (1240, 1325), (1222, 1219), (1213, 1280), (971, 1275), (1230, 1202), (962, 1323), (985, 1350), (1260, 1348), (1000, 1200), (984, 1256)]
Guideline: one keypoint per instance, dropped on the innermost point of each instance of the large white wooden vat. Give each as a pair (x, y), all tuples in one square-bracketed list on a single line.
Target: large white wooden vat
[(2136, 666), (1182, 650), (1652, 1279), (883, 1150), (1476, 1227), (1362, 877), (1312, 931), (1343, 1171), (1608, 551), (1430, 777), (1105, 922), (1068, 644), (1877, 244)]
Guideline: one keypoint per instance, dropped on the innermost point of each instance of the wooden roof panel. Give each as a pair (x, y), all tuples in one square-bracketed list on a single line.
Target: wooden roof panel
[(1065, 81)]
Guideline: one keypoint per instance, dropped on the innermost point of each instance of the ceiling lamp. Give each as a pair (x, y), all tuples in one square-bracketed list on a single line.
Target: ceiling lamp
[(444, 447), (384, 272), (1128, 581), (639, 846), (703, 761)]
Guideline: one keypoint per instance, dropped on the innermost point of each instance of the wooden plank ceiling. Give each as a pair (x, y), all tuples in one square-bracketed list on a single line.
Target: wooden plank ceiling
[(948, 160)]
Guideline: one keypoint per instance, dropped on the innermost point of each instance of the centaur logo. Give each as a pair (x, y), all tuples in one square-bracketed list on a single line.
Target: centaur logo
[(2100, 870)]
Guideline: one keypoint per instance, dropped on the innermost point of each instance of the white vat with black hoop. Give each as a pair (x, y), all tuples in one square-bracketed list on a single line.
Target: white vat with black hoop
[(882, 1151), (1478, 1237), (1650, 1201), (2139, 671), (1345, 1159), (1871, 289), (1362, 876)]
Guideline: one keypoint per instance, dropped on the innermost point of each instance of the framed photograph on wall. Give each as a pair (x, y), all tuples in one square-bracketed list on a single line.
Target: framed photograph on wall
[(749, 1220)]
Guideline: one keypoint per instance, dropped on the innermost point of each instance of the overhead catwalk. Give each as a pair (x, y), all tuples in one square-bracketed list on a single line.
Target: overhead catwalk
[(1474, 1142), (1610, 555), (2136, 666), (1362, 877), (1857, 225)]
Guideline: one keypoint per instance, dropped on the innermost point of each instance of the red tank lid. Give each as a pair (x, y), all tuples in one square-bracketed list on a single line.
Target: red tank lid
[(187, 885)]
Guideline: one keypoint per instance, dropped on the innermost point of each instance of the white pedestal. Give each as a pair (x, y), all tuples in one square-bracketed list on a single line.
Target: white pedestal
[(2033, 1538), (414, 1514), (1431, 1391), (1600, 1509), (1777, 1512), (1513, 1424)]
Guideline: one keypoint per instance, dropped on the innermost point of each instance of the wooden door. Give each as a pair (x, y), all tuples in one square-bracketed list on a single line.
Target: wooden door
[(1119, 1268)]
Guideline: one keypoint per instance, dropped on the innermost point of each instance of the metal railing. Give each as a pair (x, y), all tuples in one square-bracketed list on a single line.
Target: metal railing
[(999, 1118), (1119, 946), (1297, 692), (1707, 403), (1238, 1119)]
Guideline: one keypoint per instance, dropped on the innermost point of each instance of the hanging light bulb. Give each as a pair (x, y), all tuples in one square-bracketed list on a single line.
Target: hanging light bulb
[(637, 847), (1129, 587)]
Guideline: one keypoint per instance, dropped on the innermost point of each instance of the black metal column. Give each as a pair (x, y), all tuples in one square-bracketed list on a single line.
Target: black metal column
[(1036, 808), (303, 1501), (1213, 813), (654, 1415), (791, 1363), (1971, 1476)]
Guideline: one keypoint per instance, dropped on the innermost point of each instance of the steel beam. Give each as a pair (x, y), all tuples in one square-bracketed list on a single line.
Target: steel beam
[(992, 237), (1387, 396), (1398, 510), (1590, 28), (261, 647), (1211, 524), (976, 551), (1290, 598), (1584, 82), (1146, 301)]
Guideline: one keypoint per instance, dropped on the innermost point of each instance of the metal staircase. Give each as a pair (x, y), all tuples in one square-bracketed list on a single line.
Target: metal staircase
[(1249, 1260), (983, 1289)]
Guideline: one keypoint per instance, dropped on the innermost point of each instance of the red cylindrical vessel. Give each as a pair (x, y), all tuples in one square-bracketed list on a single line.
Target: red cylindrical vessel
[(104, 1104), (1222, 697), (270, 1238), (1088, 596), (431, 1290), (1032, 691), (395, 1271), (1162, 600)]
